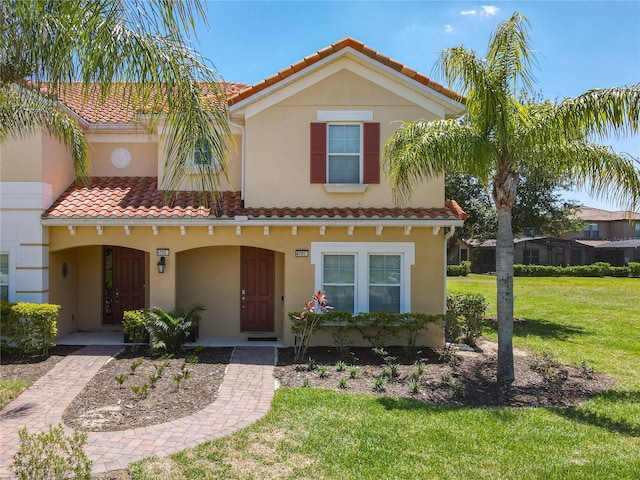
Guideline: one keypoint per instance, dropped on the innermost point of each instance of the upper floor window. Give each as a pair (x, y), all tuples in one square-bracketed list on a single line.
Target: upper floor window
[(345, 153), (4, 276), (637, 230), (203, 160), (591, 230)]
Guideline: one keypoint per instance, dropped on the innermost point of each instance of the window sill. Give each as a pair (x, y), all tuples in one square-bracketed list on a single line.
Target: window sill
[(346, 187)]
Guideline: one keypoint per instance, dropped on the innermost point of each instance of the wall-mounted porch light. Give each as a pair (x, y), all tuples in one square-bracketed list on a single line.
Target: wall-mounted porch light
[(161, 264)]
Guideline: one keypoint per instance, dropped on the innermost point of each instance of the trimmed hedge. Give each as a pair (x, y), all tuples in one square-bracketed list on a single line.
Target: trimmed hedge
[(376, 327), (30, 328), (461, 270), (599, 269)]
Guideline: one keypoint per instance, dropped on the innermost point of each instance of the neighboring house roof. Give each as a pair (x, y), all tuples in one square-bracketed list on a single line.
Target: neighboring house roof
[(356, 45), (634, 243), (135, 198), (114, 109), (590, 214)]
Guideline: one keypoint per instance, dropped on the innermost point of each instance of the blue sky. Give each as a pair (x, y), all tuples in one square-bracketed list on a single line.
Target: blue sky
[(579, 45)]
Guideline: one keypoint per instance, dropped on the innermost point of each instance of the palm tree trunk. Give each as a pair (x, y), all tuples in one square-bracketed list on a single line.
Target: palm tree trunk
[(504, 274)]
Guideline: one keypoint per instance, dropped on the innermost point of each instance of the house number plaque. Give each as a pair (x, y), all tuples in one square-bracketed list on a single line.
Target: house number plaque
[(302, 253), (162, 252)]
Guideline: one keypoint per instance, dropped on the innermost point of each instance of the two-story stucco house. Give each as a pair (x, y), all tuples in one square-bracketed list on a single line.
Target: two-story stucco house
[(306, 207)]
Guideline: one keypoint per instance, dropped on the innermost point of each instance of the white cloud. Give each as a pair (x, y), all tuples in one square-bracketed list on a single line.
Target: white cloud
[(448, 29), (489, 10)]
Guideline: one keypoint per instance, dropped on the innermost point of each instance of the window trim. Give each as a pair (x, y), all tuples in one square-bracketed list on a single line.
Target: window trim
[(362, 251), (7, 283), (360, 153)]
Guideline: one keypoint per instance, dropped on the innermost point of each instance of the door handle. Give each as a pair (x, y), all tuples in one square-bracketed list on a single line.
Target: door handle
[(243, 298), (117, 296)]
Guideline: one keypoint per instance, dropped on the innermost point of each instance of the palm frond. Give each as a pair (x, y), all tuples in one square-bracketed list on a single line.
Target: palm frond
[(425, 150), (22, 113), (597, 168)]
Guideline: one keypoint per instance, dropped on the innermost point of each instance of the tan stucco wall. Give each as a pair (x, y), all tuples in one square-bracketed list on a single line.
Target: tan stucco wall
[(206, 268), (143, 159), (277, 145), (21, 160), (57, 167), (39, 158)]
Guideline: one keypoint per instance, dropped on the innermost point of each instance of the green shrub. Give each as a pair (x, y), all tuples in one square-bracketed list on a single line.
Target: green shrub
[(461, 270), (51, 455), (465, 313), (376, 327), (31, 327), (599, 269), (620, 271), (135, 326), (169, 331)]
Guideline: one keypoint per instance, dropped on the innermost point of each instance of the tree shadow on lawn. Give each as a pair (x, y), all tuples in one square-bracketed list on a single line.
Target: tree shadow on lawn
[(523, 327), (601, 420)]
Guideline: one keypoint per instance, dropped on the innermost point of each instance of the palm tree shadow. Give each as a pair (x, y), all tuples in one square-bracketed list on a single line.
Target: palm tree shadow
[(542, 328), (602, 420)]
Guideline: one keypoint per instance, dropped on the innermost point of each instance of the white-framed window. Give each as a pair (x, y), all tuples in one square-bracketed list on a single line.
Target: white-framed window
[(203, 161), (344, 153), (365, 276), (4, 276)]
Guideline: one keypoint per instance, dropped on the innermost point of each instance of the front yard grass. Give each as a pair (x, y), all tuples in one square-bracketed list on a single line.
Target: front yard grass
[(317, 434)]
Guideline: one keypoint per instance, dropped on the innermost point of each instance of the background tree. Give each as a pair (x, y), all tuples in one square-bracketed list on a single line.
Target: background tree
[(505, 137), (539, 208), (139, 51)]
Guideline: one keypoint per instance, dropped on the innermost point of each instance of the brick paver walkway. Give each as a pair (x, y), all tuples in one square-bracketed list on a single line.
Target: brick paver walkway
[(244, 396)]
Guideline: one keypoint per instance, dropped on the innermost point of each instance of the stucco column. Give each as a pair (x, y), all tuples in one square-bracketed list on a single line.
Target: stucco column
[(162, 286)]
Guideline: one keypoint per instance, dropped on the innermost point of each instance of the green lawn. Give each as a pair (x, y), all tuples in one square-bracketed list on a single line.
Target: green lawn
[(326, 435)]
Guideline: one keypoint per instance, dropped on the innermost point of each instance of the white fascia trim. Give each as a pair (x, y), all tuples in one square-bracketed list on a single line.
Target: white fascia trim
[(361, 65), (121, 137), (258, 222)]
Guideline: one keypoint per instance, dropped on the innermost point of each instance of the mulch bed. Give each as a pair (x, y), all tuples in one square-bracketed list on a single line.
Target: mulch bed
[(156, 396), (451, 377)]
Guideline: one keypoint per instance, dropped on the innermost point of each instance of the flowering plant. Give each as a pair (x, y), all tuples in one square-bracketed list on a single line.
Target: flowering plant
[(307, 323)]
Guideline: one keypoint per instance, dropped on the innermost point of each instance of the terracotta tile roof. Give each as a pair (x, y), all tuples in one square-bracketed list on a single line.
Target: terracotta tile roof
[(590, 214), (115, 109), (336, 47), (138, 198)]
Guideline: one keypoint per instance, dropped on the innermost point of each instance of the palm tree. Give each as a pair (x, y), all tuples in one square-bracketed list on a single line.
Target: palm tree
[(500, 135), (136, 50)]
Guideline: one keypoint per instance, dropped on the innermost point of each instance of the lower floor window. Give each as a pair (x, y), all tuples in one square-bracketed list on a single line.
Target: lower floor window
[(4, 276), (364, 277)]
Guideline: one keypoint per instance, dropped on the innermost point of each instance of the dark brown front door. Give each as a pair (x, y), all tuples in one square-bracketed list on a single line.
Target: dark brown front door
[(123, 283), (257, 290)]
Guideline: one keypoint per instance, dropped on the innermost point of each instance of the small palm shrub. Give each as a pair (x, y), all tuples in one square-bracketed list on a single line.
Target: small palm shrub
[(169, 331)]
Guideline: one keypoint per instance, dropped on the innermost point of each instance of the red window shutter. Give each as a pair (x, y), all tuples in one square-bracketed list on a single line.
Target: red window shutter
[(371, 160), (318, 153)]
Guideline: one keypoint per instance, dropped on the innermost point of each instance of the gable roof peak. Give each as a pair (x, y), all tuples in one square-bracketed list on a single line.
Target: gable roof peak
[(342, 44)]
